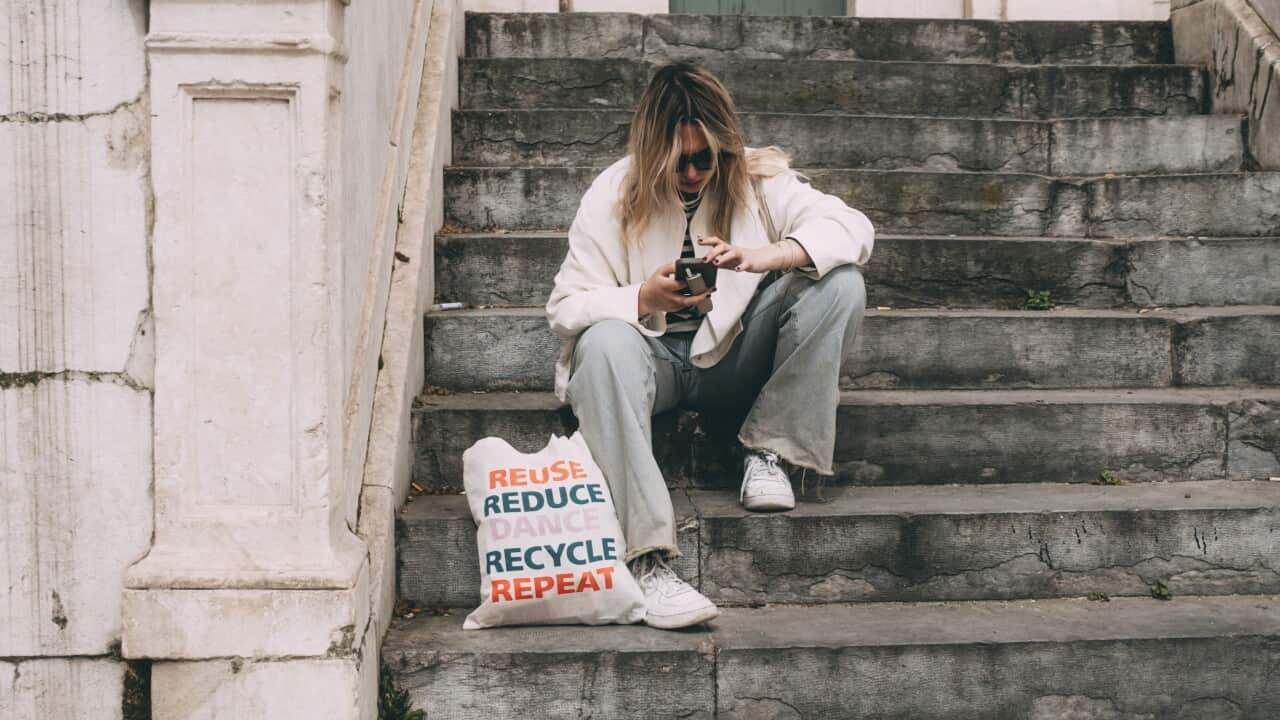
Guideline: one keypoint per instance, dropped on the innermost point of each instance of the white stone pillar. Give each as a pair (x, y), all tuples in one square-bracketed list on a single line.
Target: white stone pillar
[(252, 556)]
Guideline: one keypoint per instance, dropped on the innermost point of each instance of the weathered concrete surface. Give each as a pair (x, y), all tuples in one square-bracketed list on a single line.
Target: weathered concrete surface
[(910, 202), (85, 688), (1032, 436), (867, 88), (384, 46), (924, 543), (591, 35), (1205, 271), (74, 285), (994, 542), (918, 437), (437, 554), (1130, 658), (1095, 146), (59, 62), (490, 350), (904, 272), (991, 349), (514, 349), (1243, 62), (547, 672), (1254, 444), (197, 624), (1241, 347), (75, 505), (1245, 204), (1127, 659), (243, 688), (1193, 143)]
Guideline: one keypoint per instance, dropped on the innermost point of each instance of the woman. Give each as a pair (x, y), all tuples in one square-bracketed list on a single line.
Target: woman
[(634, 345)]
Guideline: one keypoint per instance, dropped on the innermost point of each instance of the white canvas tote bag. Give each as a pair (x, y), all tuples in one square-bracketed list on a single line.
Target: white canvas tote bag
[(551, 548)]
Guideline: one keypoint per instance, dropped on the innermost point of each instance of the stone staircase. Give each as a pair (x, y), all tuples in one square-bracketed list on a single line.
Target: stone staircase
[(997, 464)]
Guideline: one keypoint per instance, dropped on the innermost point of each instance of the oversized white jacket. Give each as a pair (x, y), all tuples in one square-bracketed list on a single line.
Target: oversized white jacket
[(601, 275)]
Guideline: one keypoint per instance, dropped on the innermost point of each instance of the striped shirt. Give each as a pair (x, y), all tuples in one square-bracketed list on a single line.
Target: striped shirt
[(687, 320)]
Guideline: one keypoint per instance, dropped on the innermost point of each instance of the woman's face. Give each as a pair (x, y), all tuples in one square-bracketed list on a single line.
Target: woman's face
[(691, 179)]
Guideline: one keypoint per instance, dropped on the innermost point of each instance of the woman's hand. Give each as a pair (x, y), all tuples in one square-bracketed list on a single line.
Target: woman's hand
[(661, 292), (731, 257), (774, 256)]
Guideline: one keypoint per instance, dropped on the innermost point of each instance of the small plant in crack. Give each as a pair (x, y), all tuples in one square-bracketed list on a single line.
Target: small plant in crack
[(1160, 590), (1037, 300), (1108, 477), (393, 703), (1099, 596)]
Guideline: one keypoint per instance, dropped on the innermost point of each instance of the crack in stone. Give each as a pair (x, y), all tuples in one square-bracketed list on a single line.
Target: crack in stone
[(31, 379), (765, 698), (42, 117), (524, 143)]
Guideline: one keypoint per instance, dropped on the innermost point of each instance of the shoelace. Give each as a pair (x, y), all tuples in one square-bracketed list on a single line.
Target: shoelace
[(654, 568)]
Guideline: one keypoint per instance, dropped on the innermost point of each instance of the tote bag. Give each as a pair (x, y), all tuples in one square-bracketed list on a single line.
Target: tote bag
[(551, 549)]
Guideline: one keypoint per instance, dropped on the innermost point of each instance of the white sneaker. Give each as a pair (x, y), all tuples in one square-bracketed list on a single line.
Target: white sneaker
[(669, 601), (765, 485)]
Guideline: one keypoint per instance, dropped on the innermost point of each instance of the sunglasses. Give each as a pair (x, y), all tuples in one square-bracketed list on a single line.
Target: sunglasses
[(701, 160)]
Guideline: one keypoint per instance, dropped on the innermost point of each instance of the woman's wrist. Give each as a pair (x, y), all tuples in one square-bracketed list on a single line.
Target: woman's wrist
[(785, 255)]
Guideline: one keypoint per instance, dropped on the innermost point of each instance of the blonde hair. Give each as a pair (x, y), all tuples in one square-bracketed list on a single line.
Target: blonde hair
[(678, 94)]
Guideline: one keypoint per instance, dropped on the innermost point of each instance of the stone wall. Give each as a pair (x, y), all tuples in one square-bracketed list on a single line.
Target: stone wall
[(379, 92), (75, 349), (1270, 12), (1243, 56)]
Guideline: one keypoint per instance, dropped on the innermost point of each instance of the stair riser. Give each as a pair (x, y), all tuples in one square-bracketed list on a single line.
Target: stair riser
[(631, 684), (752, 559), (904, 203), (885, 443), (1064, 147), (518, 352), (1227, 677), (748, 560), (864, 88), (1218, 678), (591, 35), (931, 272)]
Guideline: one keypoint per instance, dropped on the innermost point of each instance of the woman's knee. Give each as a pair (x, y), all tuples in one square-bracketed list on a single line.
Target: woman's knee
[(608, 342), (845, 288)]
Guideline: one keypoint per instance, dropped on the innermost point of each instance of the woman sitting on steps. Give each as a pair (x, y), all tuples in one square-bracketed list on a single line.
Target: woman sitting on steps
[(787, 305)]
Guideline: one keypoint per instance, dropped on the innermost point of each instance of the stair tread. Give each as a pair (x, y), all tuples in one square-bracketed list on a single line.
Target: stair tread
[(984, 622), (819, 62), (909, 500), (960, 238), (476, 400), (1179, 314)]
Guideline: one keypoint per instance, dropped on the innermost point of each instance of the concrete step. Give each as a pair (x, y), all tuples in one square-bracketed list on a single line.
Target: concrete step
[(852, 86), (514, 349), (925, 271), (1091, 146), (938, 203), (926, 437), (1129, 658), (875, 544), (597, 35)]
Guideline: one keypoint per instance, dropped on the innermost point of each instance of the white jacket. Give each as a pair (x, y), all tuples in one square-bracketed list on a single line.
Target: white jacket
[(601, 275)]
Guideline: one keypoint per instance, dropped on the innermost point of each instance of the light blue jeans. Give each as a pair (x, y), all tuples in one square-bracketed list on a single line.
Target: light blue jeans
[(795, 333)]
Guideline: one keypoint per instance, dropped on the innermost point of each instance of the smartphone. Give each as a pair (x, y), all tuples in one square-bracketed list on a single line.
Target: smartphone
[(699, 276)]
